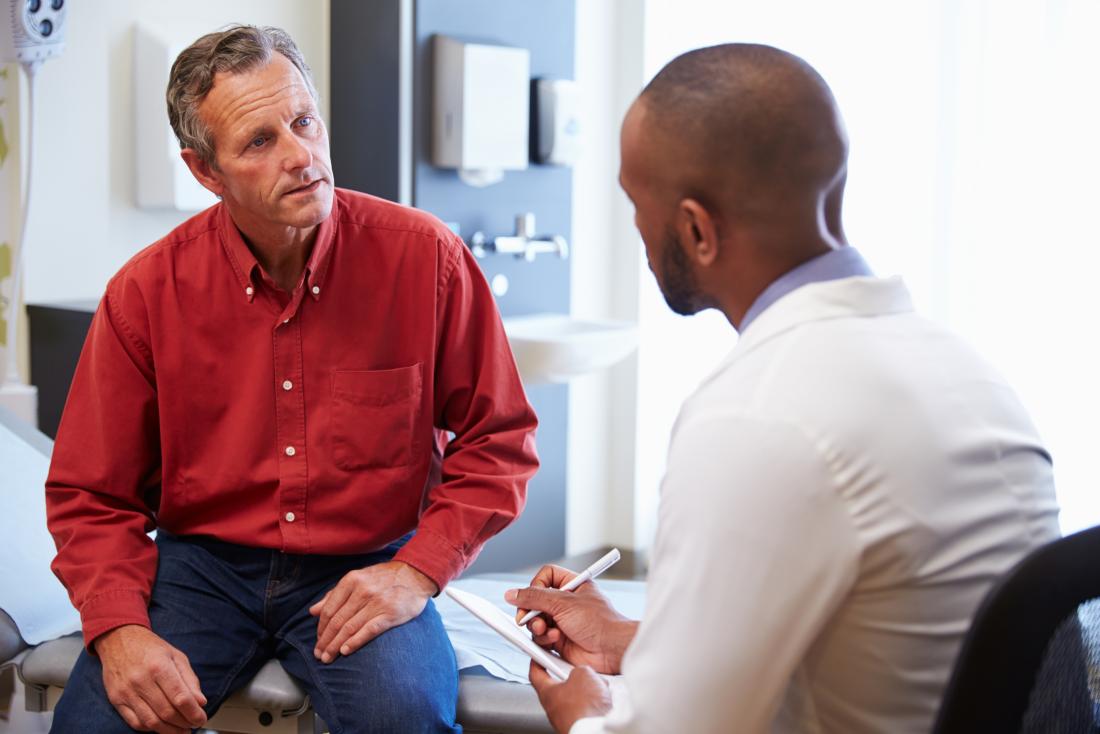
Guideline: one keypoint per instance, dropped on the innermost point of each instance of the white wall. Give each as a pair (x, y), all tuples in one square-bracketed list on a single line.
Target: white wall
[(606, 254), (972, 174), (83, 222)]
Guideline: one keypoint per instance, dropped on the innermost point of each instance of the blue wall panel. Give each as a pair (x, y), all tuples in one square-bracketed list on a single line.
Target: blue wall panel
[(366, 47), (546, 29)]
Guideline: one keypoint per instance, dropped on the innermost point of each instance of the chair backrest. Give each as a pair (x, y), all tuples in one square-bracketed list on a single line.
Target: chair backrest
[(1034, 645)]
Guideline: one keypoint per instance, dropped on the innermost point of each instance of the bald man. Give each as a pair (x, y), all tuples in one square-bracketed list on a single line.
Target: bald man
[(845, 486)]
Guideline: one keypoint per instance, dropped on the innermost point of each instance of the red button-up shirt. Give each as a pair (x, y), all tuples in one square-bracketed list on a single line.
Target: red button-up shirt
[(207, 401)]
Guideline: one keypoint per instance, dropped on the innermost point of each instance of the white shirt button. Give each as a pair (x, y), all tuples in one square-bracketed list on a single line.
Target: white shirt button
[(286, 321), (287, 384), (290, 517), (290, 451), (316, 289), (248, 291)]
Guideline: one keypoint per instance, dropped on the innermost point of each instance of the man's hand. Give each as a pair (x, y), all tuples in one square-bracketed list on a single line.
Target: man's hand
[(584, 694), (149, 682), (583, 627), (366, 603)]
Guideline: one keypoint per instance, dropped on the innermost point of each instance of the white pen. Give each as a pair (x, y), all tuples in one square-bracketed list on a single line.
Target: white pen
[(586, 575)]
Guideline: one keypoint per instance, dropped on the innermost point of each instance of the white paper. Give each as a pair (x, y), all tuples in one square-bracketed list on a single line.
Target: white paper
[(29, 592), (477, 645), (506, 627)]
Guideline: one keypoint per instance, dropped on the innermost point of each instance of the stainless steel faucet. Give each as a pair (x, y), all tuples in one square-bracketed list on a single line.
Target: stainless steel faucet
[(523, 244)]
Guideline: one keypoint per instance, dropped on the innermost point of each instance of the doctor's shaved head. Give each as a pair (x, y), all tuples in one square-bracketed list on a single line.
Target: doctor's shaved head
[(735, 158), (751, 127)]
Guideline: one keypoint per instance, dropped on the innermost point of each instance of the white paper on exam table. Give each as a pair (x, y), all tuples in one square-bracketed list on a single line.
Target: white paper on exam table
[(476, 645), (30, 594)]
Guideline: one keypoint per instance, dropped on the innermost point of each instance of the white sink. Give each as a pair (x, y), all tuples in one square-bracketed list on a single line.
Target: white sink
[(556, 347)]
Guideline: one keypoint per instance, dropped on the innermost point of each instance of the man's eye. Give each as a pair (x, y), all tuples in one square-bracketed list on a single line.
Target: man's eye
[(305, 121), (257, 142)]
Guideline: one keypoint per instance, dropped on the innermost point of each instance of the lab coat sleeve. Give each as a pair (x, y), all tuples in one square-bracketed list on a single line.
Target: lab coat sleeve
[(477, 396), (755, 550), (105, 468)]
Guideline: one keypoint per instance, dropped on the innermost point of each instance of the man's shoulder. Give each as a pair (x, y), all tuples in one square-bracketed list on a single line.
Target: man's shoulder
[(153, 263), (371, 212)]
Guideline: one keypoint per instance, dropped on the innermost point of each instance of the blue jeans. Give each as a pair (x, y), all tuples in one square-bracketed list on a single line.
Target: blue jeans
[(231, 608)]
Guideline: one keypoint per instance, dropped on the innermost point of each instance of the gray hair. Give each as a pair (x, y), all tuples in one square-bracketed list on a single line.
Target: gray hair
[(234, 49)]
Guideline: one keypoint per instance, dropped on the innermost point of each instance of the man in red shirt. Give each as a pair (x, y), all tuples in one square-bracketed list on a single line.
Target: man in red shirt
[(268, 386)]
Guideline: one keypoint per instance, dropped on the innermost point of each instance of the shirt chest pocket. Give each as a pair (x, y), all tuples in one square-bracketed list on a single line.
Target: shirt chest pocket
[(374, 417)]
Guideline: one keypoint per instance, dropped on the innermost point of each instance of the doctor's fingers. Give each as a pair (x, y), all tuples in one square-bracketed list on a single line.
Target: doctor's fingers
[(552, 577), (540, 679), (540, 625), (549, 601), (553, 639)]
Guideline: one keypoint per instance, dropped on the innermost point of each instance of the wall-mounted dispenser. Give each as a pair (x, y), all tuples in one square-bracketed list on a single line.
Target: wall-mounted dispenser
[(557, 122), (481, 109), (163, 179), (32, 31)]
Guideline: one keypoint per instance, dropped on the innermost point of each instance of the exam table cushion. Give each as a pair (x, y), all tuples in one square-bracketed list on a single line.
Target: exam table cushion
[(272, 689), (10, 641), (484, 703)]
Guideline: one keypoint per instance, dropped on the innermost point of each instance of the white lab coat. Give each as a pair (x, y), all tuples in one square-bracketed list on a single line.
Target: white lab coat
[(840, 494)]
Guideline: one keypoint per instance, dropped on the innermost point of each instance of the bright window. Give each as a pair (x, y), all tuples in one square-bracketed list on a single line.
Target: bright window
[(973, 173)]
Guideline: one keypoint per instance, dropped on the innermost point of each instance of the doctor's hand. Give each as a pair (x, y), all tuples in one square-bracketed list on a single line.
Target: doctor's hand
[(584, 694), (579, 625), (149, 682), (366, 603)]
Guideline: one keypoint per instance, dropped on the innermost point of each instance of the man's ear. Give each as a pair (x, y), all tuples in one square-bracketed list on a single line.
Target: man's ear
[(203, 172), (698, 231)]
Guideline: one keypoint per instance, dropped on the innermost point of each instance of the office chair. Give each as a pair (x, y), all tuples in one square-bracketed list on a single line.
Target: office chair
[(1031, 659)]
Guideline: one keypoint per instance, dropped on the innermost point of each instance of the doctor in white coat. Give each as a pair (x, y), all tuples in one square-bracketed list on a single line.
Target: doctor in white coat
[(844, 487)]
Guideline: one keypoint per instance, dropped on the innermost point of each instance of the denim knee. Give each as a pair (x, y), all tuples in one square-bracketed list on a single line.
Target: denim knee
[(84, 706)]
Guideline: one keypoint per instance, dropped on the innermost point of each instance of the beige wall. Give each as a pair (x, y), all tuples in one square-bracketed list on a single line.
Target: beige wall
[(9, 110)]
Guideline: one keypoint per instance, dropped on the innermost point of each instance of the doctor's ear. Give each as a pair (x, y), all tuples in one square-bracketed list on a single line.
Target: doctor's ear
[(203, 172), (698, 231)]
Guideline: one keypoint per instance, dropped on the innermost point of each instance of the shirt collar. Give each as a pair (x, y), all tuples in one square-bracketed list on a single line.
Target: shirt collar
[(247, 268), (843, 262), (843, 298)]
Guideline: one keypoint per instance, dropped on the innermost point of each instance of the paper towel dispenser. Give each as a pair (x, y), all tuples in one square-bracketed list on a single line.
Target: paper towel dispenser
[(481, 109)]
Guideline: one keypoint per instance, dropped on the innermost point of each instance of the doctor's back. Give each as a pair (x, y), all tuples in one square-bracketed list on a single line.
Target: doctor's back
[(859, 478)]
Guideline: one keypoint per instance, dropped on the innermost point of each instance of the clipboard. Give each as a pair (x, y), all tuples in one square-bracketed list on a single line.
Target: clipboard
[(506, 627)]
